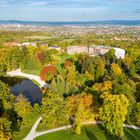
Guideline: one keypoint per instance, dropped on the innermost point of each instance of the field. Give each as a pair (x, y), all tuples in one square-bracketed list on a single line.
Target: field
[(90, 132)]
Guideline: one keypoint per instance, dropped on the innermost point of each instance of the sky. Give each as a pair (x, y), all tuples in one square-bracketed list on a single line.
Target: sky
[(69, 10)]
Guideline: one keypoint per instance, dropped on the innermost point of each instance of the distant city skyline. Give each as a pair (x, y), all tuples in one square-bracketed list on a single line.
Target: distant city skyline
[(73, 10)]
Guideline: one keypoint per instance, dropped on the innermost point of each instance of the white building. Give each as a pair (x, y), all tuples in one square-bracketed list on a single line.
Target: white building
[(120, 53), (54, 47), (76, 49), (27, 44), (95, 50), (101, 50)]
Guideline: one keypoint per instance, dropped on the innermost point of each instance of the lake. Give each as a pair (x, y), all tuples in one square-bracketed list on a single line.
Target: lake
[(25, 87)]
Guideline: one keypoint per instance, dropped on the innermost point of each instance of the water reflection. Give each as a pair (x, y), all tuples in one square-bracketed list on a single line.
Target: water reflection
[(25, 87)]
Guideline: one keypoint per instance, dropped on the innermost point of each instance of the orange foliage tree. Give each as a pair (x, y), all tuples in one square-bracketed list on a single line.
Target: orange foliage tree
[(48, 70)]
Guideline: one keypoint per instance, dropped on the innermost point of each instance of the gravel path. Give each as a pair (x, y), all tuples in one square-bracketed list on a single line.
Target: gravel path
[(33, 134), (18, 72)]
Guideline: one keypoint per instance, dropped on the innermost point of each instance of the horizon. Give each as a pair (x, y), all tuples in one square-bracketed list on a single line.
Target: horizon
[(71, 20), (66, 11), (70, 23)]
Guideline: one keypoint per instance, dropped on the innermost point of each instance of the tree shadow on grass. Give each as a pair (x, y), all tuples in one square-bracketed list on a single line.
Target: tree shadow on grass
[(131, 135), (90, 135), (107, 135)]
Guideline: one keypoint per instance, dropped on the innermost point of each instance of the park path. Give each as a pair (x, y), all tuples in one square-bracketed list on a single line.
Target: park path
[(18, 72), (33, 134)]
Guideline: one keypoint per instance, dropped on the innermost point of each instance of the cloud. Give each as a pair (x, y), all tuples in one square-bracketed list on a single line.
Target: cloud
[(65, 3), (69, 9)]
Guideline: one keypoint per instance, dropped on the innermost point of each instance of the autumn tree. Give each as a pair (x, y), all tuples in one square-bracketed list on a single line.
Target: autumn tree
[(48, 72), (5, 96), (128, 88), (113, 112), (53, 109), (65, 83), (58, 85), (3, 61), (115, 69), (110, 57), (102, 87), (10, 58), (129, 66), (138, 114), (6, 107), (137, 64), (99, 67), (93, 67), (5, 129), (79, 108), (22, 107)]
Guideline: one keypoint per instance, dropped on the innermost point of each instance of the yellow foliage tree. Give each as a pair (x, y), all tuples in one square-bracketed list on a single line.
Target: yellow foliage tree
[(116, 69), (79, 107)]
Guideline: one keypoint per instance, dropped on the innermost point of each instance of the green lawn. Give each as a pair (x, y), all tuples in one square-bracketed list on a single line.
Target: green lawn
[(90, 132), (33, 71), (41, 127), (25, 129), (62, 58)]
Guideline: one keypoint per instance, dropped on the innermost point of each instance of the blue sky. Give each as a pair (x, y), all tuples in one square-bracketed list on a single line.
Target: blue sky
[(69, 10)]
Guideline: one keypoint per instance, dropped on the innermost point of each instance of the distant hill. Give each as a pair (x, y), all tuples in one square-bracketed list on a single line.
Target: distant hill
[(107, 22)]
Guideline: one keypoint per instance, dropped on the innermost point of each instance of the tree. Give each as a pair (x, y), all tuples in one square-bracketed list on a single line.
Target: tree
[(138, 114), (3, 61), (65, 83), (102, 87), (129, 66), (53, 109), (115, 69), (137, 64), (48, 73), (127, 88), (94, 67), (5, 96), (110, 56), (10, 58), (113, 112), (22, 107), (99, 67), (67, 63), (70, 80), (5, 130), (14, 58), (79, 108), (41, 56), (59, 85), (8, 116)]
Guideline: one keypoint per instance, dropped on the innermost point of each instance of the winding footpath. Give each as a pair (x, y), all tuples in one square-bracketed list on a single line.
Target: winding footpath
[(18, 72), (33, 133)]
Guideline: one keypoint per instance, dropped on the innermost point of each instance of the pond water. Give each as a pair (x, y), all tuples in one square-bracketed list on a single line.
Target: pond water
[(25, 87)]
